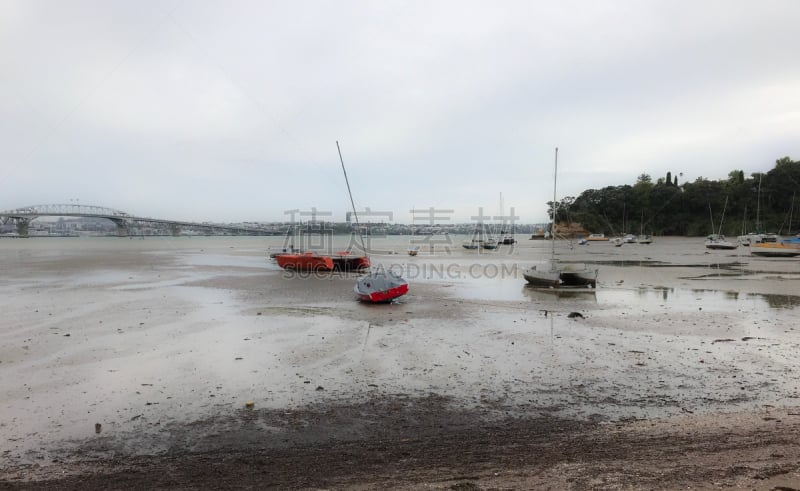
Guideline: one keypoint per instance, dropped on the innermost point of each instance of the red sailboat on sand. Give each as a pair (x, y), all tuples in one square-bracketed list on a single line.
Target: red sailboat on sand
[(312, 261), (378, 285)]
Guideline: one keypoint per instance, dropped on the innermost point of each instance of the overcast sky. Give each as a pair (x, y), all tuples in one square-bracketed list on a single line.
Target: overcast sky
[(230, 110)]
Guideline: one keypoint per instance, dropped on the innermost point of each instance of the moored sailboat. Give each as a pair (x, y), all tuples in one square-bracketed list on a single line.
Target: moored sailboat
[(775, 249), (643, 238), (312, 261), (716, 241), (554, 274)]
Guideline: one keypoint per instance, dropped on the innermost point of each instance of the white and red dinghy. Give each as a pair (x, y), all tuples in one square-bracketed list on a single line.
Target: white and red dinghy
[(380, 286)]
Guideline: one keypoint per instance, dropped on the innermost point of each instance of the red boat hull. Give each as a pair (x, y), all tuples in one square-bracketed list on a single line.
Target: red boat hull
[(384, 296), (305, 262), (309, 261)]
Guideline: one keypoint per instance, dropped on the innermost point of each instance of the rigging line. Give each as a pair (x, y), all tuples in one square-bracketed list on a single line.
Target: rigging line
[(86, 95), (355, 213)]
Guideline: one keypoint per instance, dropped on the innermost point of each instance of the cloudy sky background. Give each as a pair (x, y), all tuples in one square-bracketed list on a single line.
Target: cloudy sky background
[(230, 110)]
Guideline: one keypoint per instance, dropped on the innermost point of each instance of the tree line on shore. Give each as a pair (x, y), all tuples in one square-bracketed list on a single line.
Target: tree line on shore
[(762, 202)]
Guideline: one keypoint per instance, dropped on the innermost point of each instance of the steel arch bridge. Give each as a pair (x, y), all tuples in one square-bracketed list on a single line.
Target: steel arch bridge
[(124, 221)]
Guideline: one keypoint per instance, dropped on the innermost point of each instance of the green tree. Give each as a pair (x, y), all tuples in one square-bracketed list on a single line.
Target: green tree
[(687, 209)]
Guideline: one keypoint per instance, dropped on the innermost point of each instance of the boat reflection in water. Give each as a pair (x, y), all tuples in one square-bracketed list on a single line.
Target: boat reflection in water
[(546, 294)]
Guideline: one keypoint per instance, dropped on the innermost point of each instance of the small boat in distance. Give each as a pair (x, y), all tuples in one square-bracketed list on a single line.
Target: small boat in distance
[(718, 241), (757, 238), (775, 249), (596, 237), (472, 244), (476, 243), (489, 243), (539, 234), (643, 238), (625, 239)]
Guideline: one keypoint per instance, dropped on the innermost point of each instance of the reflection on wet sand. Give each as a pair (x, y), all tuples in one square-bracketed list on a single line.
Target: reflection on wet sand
[(776, 301), (537, 293), (710, 296)]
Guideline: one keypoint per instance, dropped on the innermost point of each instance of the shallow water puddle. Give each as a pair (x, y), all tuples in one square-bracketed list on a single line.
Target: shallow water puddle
[(682, 298)]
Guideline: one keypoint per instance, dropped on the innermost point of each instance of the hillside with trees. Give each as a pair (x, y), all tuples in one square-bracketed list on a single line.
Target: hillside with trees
[(668, 207)]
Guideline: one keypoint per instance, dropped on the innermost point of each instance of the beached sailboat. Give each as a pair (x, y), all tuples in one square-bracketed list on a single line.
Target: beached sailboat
[(294, 259), (480, 240), (716, 241), (312, 261), (472, 244), (489, 243), (506, 237), (539, 233), (776, 247), (643, 238), (554, 274), (378, 285), (413, 249), (759, 235)]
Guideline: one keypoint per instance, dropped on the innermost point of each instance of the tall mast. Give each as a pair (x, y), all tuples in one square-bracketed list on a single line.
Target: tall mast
[(352, 203), (758, 207), (711, 214), (553, 221), (724, 207)]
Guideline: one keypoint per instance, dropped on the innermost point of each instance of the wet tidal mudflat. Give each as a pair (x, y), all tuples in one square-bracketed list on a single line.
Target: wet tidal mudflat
[(155, 347)]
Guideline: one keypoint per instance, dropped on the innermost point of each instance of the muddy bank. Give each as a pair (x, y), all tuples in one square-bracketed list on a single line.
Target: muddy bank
[(407, 443)]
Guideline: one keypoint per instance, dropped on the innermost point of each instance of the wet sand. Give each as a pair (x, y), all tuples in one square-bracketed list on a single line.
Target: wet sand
[(681, 369)]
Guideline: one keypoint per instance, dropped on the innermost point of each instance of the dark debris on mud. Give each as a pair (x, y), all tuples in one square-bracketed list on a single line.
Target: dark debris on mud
[(402, 443)]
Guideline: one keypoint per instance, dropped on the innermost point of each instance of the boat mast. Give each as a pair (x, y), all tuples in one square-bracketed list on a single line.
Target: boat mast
[(553, 220), (744, 221), (352, 203), (641, 224), (724, 207), (711, 214), (758, 206)]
